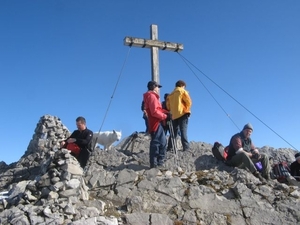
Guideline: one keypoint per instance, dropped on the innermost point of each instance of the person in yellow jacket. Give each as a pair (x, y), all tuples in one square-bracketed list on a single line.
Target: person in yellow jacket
[(179, 104)]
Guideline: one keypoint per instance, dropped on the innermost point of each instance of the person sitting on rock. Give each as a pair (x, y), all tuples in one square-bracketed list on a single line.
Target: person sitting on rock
[(295, 167), (242, 153), (81, 137)]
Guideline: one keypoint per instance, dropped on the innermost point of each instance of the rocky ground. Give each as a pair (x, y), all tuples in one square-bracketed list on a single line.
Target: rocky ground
[(47, 186)]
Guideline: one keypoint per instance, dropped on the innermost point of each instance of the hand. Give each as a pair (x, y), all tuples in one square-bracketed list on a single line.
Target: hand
[(71, 140), (169, 117)]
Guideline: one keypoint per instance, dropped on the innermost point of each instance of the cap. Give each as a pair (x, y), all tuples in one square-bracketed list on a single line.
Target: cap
[(248, 126), (297, 156), (153, 84)]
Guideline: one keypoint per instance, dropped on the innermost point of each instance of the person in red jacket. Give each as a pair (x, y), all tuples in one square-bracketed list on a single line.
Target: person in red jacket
[(155, 114)]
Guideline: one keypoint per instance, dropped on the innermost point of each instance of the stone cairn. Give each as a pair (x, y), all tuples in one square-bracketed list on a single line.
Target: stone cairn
[(118, 188)]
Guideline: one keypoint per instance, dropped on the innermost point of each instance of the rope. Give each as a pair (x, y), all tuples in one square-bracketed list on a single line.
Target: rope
[(186, 60), (112, 96)]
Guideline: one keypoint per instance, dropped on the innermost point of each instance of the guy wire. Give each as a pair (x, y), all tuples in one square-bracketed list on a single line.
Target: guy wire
[(186, 60)]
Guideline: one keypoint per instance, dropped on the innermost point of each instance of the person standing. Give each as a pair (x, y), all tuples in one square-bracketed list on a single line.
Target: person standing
[(179, 103), (155, 114), (81, 137), (164, 106), (145, 116)]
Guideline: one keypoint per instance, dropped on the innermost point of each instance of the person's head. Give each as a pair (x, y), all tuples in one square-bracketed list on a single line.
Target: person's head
[(81, 123), (153, 86), (297, 157), (180, 83), (165, 96), (247, 130)]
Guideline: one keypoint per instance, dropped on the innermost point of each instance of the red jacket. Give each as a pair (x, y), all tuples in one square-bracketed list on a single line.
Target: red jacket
[(155, 112)]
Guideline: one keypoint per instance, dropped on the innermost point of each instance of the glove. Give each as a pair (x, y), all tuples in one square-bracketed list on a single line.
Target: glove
[(169, 117)]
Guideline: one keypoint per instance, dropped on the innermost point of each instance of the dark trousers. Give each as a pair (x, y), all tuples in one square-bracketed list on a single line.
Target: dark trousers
[(181, 124), (158, 145), (146, 121), (243, 161), (83, 157)]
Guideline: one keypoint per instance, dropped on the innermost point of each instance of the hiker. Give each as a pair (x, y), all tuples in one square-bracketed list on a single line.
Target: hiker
[(155, 114), (295, 167), (179, 103), (164, 106), (145, 117), (242, 153), (81, 137)]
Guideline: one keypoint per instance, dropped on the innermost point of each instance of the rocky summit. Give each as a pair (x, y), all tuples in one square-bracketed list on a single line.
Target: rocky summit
[(48, 186)]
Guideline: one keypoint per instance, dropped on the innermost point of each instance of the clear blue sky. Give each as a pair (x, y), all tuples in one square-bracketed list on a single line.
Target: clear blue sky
[(64, 57)]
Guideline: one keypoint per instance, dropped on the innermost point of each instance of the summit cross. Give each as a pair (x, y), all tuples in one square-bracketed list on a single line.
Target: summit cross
[(154, 44)]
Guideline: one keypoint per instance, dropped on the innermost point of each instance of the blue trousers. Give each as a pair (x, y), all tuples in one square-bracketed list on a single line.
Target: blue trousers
[(181, 124), (158, 146)]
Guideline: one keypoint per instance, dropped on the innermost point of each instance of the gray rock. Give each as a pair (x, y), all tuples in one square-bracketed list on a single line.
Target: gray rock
[(47, 186)]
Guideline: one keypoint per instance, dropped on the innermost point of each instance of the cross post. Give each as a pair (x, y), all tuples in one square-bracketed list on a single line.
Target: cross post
[(154, 44)]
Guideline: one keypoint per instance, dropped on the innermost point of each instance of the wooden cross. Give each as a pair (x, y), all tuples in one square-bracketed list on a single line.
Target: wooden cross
[(154, 44)]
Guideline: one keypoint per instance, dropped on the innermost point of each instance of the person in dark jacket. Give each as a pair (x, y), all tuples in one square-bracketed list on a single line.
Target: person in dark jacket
[(145, 116), (242, 153), (83, 138), (295, 167), (156, 115), (164, 106)]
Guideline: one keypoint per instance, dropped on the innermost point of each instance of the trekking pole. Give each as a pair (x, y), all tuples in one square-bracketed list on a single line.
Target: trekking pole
[(174, 144)]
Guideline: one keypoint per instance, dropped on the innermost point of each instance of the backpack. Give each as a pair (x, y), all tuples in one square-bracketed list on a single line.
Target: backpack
[(74, 148), (281, 171), (219, 152)]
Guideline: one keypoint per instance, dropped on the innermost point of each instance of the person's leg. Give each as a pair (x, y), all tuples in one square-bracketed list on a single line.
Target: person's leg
[(83, 157), (242, 158), (146, 122), (162, 147), (154, 149), (183, 125), (264, 159)]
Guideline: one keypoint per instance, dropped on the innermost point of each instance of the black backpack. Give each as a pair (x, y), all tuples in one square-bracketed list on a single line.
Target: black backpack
[(219, 152)]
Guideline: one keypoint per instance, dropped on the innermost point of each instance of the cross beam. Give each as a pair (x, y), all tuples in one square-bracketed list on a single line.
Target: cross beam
[(154, 44), (144, 43)]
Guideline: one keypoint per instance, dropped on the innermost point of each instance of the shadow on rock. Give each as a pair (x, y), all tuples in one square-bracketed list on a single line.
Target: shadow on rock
[(207, 162)]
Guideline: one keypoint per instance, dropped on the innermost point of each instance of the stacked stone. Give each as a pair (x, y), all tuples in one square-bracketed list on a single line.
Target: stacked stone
[(59, 196), (48, 134)]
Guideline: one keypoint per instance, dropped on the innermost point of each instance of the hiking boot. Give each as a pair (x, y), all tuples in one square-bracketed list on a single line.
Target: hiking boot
[(258, 175), (161, 167)]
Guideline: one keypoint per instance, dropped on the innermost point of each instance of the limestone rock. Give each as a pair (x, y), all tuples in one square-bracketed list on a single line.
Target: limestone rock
[(117, 187)]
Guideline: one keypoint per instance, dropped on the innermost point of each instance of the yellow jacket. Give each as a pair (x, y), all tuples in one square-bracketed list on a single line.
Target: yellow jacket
[(179, 102)]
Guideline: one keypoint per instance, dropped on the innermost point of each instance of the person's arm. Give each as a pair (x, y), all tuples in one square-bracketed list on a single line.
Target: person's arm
[(156, 109), (68, 140), (238, 146), (86, 140), (187, 101)]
